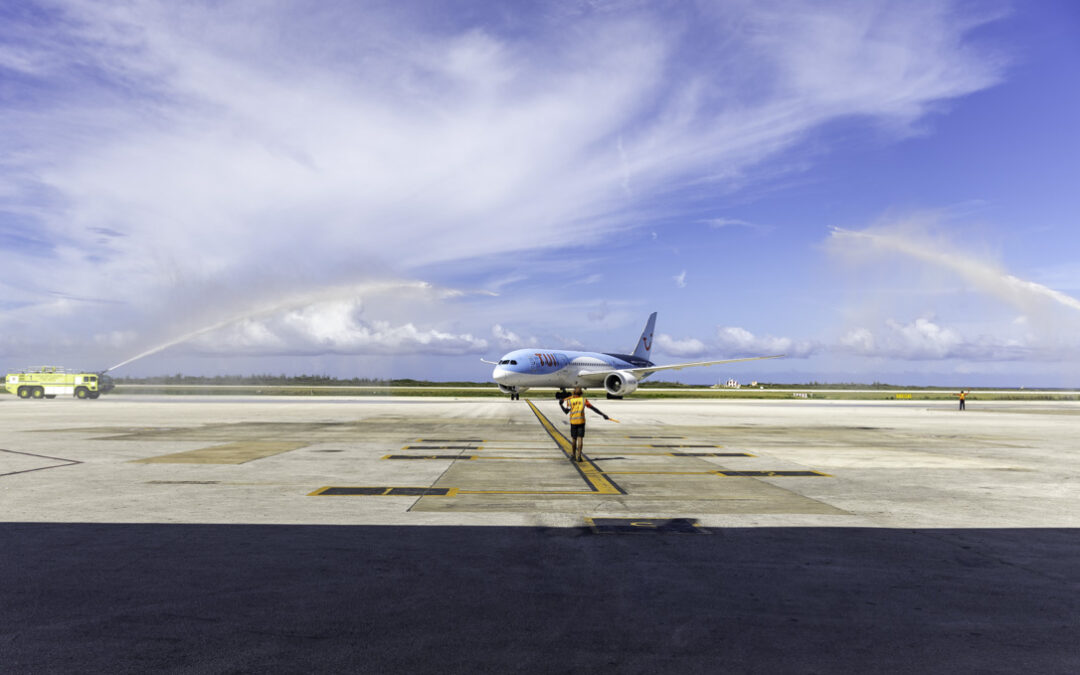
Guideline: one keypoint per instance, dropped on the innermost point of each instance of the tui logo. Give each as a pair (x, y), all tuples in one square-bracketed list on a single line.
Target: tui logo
[(645, 341)]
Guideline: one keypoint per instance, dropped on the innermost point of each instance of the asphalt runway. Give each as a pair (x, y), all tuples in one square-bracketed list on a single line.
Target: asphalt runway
[(228, 534)]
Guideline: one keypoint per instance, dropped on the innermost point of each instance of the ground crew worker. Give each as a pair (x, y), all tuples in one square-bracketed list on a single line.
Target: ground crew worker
[(963, 395), (575, 405)]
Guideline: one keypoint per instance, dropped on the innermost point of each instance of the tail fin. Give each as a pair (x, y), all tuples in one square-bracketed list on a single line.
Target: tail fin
[(645, 342)]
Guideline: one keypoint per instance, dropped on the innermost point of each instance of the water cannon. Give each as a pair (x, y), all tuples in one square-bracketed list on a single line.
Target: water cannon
[(105, 383)]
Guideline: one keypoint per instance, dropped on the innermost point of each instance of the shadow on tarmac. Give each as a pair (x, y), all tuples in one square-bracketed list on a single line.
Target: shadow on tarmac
[(248, 598)]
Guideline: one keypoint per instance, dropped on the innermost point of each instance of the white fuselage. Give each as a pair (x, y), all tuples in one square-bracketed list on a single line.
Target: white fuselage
[(524, 368)]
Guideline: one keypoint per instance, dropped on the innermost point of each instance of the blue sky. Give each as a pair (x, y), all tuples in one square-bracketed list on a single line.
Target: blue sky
[(883, 191)]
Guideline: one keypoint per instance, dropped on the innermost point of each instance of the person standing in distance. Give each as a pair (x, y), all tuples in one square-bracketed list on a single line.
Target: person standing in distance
[(963, 395), (575, 405)]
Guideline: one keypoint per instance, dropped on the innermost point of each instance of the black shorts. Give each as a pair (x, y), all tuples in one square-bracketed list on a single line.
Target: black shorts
[(577, 431)]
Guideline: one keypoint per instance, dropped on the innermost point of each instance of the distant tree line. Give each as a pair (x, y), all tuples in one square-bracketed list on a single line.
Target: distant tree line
[(268, 380)]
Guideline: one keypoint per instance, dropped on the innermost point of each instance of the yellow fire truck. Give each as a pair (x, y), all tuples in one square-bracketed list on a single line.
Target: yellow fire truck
[(49, 381)]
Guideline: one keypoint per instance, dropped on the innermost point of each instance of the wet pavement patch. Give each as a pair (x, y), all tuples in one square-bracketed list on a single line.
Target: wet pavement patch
[(239, 452)]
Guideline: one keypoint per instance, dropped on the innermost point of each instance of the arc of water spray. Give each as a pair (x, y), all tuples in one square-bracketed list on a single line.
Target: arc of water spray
[(291, 302), (983, 275)]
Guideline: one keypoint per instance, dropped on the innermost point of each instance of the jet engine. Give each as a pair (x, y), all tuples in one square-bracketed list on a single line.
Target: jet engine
[(620, 384)]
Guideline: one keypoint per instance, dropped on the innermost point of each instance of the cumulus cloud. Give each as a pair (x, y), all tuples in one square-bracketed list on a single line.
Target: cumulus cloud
[(925, 340), (507, 339), (741, 342), (687, 347), (735, 342), (331, 328), (170, 156)]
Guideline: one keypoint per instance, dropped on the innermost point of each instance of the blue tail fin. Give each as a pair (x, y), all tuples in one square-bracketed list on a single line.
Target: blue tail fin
[(645, 342)]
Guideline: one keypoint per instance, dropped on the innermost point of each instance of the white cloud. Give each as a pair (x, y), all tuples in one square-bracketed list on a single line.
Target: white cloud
[(686, 348), (506, 339), (718, 223), (909, 249), (925, 340), (195, 160), (332, 328), (680, 279), (735, 342), (738, 341)]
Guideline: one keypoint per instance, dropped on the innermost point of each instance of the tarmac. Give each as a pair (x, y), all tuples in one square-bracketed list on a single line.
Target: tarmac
[(297, 534)]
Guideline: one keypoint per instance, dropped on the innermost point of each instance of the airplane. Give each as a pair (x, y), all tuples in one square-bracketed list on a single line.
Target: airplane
[(618, 374)]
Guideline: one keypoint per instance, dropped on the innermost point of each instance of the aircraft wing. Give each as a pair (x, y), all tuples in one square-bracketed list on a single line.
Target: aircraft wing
[(641, 372)]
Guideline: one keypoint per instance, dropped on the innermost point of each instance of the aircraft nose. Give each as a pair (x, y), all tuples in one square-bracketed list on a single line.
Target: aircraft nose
[(499, 374)]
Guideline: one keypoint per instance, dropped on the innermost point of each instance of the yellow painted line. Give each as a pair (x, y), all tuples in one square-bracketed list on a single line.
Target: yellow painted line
[(592, 475), (229, 453), (526, 492), (665, 454)]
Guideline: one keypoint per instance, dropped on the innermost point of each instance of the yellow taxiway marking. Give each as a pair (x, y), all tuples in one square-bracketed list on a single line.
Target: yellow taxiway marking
[(229, 453), (579, 493), (596, 479)]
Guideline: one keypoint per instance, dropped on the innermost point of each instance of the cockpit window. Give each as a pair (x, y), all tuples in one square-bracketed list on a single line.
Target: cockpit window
[(513, 363), (507, 362)]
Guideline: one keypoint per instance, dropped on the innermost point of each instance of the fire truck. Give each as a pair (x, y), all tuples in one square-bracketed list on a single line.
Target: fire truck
[(50, 381)]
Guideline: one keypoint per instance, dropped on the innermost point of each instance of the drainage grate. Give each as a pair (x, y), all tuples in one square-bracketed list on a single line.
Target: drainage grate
[(710, 454), (645, 526), (428, 457)]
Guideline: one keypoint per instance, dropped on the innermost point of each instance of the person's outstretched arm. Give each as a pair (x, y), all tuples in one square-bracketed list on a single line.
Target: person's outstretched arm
[(589, 403)]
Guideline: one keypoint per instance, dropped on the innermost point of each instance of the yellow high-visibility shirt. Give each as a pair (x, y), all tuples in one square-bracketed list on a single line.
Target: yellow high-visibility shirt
[(577, 410)]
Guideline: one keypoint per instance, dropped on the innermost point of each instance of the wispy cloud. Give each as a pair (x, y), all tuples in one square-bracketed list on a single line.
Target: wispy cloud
[(176, 156), (718, 223), (680, 279)]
